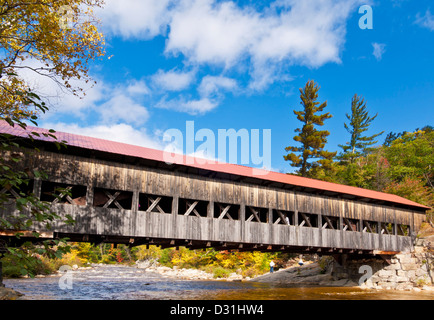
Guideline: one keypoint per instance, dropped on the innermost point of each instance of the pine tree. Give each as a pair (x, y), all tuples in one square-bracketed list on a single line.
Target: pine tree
[(312, 140), (359, 123)]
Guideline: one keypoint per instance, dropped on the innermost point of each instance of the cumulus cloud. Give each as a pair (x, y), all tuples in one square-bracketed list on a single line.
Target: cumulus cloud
[(172, 80), (209, 32), (262, 42), (57, 97), (212, 85), (138, 88), (121, 108), (114, 132), (211, 92), (135, 18)]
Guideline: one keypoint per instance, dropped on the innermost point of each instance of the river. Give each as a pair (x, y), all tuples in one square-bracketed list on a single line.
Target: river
[(116, 282)]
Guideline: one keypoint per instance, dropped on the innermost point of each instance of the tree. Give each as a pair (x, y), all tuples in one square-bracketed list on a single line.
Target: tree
[(392, 136), (359, 123), (413, 189), (49, 39), (312, 140), (52, 39), (411, 155)]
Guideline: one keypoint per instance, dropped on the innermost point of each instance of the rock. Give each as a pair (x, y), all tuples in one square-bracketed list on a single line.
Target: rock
[(385, 273), (409, 266), (421, 272), (411, 274), (401, 273), (342, 275), (386, 285), (401, 256), (404, 287), (145, 264), (393, 266), (9, 294), (402, 279)]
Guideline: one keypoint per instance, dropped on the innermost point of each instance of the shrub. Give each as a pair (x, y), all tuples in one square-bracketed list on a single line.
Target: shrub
[(220, 272)]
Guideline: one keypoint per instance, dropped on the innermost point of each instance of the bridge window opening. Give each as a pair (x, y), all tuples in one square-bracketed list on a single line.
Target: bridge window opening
[(188, 207), (370, 226), (24, 189), (254, 214), (330, 223), (113, 199), (154, 203), (63, 193), (283, 217), (351, 224), (386, 228), (308, 220), (226, 211), (403, 230)]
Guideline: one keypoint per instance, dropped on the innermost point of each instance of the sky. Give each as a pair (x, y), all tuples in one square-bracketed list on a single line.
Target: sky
[(223, 65)]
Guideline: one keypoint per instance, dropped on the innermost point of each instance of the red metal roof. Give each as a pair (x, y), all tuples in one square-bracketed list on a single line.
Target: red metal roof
[(158, 155)]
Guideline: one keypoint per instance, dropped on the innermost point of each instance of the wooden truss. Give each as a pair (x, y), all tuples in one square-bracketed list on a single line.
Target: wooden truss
[(12, 191), (191, 208), (224, 211), (154, 204), (282, 218)]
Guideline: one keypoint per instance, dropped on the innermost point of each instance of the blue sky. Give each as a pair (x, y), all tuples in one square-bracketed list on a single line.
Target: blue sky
[(240, 64)]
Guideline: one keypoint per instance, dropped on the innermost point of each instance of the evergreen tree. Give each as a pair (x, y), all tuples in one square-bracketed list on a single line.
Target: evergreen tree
[(392, 136), (312, 140), (359, 123)]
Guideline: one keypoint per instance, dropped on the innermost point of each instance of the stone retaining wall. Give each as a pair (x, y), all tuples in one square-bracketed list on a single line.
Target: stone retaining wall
[(405, 271)]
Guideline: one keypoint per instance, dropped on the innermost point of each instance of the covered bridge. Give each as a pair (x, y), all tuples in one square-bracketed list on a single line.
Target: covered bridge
[(122, 193)]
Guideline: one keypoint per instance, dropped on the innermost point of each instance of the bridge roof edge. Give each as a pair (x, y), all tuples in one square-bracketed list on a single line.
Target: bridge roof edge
[(124, 149)]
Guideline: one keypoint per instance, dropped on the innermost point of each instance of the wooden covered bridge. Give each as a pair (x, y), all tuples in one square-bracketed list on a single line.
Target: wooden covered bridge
[(121, 193)]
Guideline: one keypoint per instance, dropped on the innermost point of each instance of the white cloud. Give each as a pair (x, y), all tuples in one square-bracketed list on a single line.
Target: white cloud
[(111, 104), (116, 132), (121, 108), (212, 85), (426, 21), (173, 80), (210, 96), (200, 106), (379, 50), (58, 98), (209, 32), (138, 88), (135, 18), (192, 106), (262, 42)]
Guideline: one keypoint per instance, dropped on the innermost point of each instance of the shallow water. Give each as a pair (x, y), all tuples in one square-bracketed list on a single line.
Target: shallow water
[(129, 283)]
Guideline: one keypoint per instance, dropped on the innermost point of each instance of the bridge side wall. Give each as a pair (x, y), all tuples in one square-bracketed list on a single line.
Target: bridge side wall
[(94, 173)]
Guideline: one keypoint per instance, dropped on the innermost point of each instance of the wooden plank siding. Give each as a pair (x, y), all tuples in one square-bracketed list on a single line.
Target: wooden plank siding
[(93, 173)]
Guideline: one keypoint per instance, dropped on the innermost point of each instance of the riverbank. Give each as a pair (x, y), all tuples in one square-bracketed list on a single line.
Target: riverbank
[(186, 274), (9, 294), (309, 274), (150, 281)]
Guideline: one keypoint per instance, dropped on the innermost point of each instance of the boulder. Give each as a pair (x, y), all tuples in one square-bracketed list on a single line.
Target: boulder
[(9, 294)]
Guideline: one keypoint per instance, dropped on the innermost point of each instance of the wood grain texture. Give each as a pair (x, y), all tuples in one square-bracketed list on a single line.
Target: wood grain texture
[(94, 173)]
